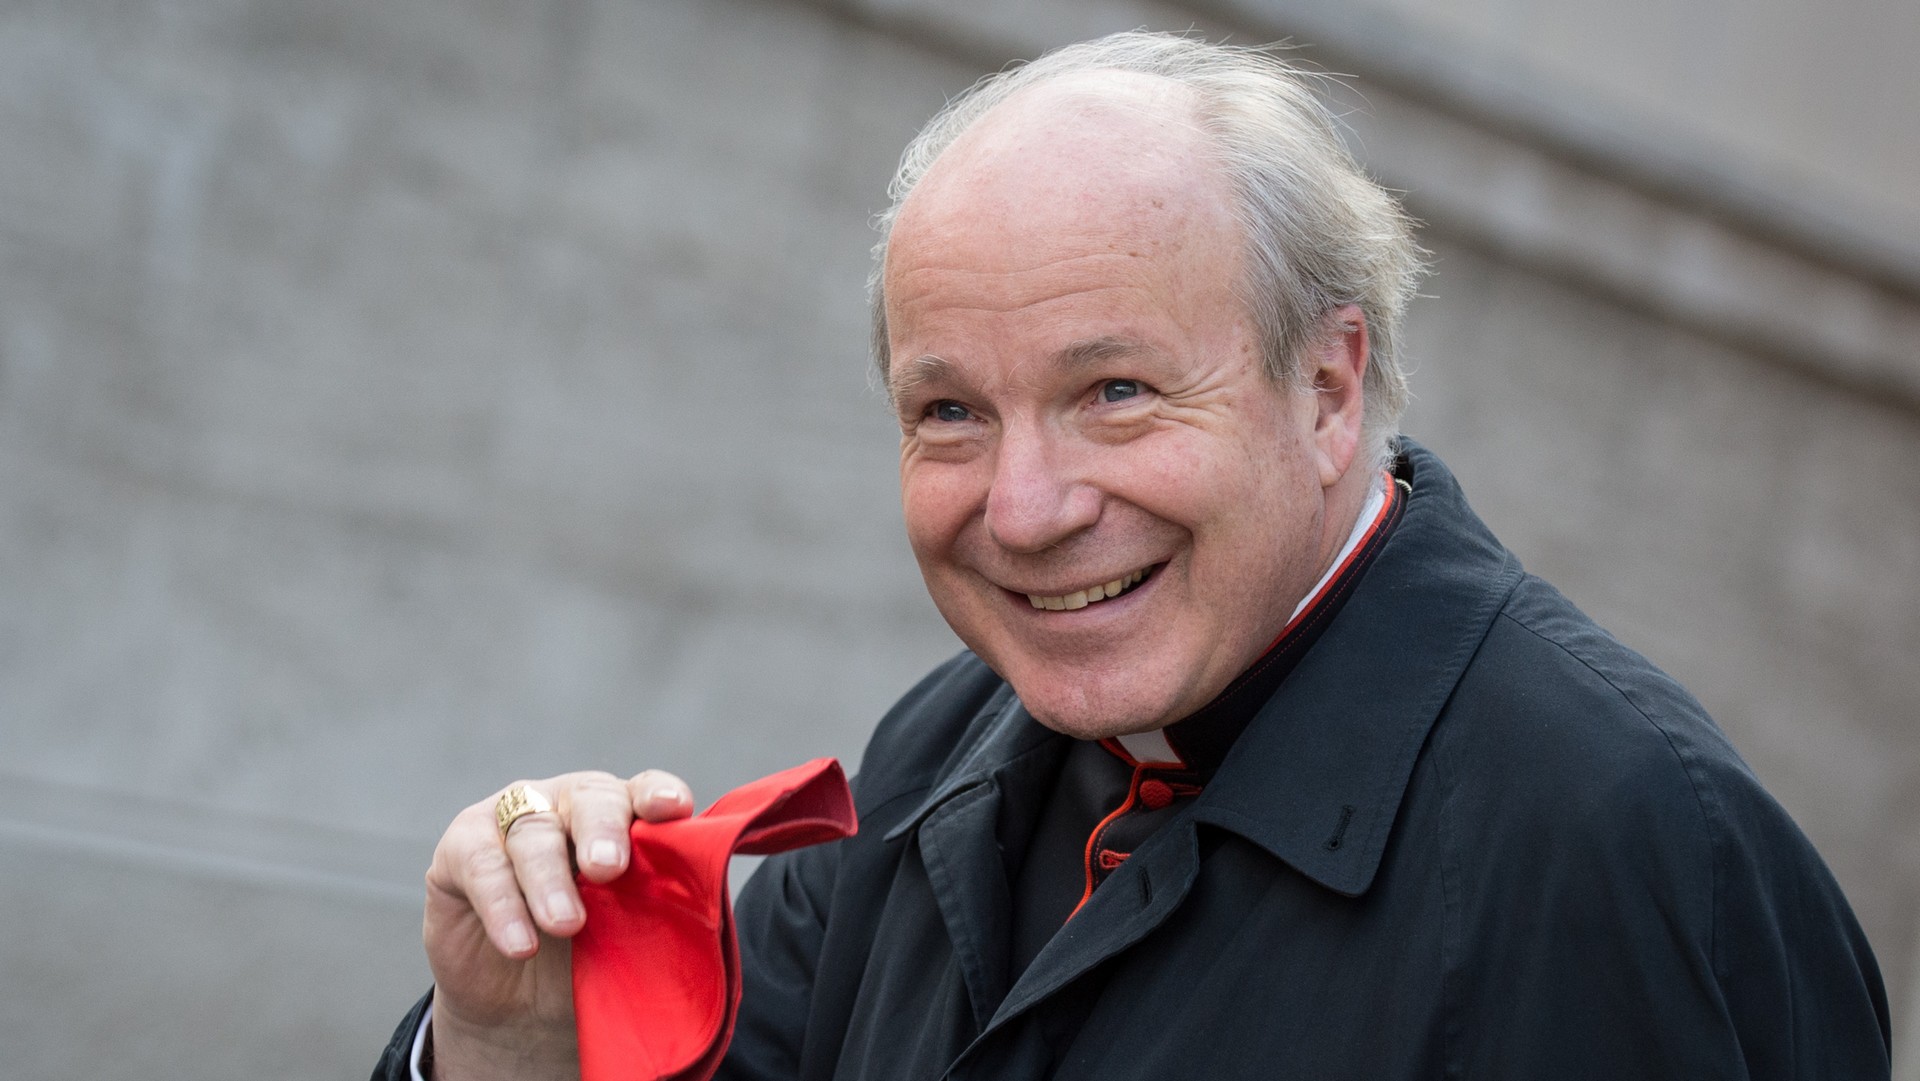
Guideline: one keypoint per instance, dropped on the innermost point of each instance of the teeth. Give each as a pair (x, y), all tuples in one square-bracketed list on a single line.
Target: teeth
[(1082, 598)]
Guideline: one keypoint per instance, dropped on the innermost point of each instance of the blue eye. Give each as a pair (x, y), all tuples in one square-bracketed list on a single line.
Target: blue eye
[(1119, 390), (949, 411)]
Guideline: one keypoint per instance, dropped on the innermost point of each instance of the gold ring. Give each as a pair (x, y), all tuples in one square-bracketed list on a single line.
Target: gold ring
[(517, 803)]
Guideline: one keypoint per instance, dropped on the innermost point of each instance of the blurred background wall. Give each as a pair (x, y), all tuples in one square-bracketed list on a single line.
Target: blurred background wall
[(399, 399)]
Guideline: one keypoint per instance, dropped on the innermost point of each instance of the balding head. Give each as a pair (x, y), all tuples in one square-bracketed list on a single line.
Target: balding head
[(1114, 160)]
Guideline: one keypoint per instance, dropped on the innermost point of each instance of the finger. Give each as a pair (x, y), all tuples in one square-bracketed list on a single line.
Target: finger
[(543, 866), (659, 796), (471, 868), (597, 811)]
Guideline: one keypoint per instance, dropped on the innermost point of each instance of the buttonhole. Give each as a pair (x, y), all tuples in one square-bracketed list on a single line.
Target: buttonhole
[(1340, 831)]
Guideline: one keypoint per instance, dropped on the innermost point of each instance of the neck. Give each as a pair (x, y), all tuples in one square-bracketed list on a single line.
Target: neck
[(1345, 499)]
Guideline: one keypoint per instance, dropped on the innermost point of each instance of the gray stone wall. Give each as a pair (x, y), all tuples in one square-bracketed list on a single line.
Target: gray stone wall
[(396, 399), (1814, 100)]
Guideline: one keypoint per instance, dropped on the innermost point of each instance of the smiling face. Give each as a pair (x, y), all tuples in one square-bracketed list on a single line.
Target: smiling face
[(1110, 500)]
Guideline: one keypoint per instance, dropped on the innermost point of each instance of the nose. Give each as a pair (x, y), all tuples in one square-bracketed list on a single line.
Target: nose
[(1038, 499)]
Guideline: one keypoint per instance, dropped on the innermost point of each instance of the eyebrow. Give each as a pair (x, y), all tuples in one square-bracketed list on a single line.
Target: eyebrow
[(920, 369), (1090, 350)]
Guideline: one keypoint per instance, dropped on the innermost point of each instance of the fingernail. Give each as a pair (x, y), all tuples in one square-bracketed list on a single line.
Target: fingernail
[(603, 853), (519, 937), (560, 907), (664, 799)]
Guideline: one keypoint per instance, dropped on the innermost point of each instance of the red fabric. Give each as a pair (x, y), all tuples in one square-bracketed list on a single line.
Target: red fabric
[(656, 970)]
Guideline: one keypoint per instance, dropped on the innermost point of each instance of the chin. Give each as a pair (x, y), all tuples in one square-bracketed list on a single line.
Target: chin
[(1095, 728), (1096, 715)]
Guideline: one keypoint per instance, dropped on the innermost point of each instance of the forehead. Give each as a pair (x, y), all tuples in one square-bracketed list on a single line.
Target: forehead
[(1094, 197)]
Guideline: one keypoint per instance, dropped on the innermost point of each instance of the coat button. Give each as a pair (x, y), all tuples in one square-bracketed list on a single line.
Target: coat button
[(1155, 794)]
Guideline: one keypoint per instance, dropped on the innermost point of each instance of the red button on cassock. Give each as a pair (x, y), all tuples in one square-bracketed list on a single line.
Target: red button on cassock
[(1155, 794)]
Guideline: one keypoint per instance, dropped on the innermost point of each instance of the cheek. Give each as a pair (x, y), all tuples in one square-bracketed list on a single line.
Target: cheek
[(936, 502), (1237, 498), (1199, 483)]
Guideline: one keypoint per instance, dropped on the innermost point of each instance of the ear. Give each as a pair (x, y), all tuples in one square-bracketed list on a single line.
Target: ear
[(1336, 370)]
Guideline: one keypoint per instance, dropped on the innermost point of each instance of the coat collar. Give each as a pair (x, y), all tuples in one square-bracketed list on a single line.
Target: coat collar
[(1012, 733), (1318, 776)]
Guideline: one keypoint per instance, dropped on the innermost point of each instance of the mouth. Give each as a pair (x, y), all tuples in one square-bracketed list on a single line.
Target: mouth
[(1094, 594)]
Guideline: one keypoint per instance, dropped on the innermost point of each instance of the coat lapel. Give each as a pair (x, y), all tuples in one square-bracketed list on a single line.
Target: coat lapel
[(969, 882), (1133, 901)]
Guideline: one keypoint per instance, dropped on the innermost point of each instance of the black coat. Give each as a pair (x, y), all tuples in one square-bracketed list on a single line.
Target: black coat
[(1471, 836)]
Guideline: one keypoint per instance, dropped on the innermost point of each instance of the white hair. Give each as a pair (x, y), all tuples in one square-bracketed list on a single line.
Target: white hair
[(1319, 232)]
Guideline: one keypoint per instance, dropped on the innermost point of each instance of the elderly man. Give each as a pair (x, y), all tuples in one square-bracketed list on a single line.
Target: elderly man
[(1266, 759)]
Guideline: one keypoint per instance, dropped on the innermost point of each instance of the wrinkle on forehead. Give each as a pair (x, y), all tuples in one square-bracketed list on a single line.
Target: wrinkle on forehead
[(974, 290)]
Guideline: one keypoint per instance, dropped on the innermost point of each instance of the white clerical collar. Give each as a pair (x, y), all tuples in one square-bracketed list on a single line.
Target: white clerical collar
[(1369, 516)]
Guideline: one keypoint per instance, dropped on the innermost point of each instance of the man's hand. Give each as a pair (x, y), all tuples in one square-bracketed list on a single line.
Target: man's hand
[(503, 1001)]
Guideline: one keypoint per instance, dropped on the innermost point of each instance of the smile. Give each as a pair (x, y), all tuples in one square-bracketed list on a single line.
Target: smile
[(1090, 595)]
